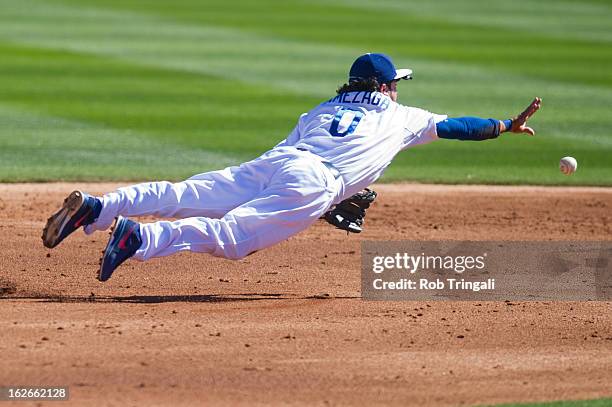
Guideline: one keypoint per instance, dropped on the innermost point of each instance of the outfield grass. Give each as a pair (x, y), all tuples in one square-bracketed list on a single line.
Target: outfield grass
[(115, 89), (576, 403)]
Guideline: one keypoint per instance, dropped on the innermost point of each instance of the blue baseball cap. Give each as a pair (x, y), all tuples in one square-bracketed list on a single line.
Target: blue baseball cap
[(377, 66)]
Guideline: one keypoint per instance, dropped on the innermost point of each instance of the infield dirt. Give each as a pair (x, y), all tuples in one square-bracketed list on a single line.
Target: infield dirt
[(287, 325)]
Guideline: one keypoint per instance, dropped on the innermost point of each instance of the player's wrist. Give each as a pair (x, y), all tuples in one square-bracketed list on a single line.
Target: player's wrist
[(507, 124)]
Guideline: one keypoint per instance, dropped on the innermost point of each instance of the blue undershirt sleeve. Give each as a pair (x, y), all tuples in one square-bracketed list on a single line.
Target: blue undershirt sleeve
[(468, 128)]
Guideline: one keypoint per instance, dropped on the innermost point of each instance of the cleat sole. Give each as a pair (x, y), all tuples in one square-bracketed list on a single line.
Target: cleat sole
[(55, 223)]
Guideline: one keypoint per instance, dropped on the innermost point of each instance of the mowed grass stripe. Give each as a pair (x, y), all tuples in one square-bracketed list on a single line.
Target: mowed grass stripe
[(42, 148), (147, 86), (589, 21), (434, 36), (178, 108), (309, 69), (303, 68), (504, 161)]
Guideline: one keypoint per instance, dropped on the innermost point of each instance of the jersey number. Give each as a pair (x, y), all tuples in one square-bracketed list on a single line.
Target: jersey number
[(348, 128)]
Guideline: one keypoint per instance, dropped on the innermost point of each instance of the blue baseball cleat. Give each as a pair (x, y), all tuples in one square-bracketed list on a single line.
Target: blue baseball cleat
[(79, 209), (124, 241)]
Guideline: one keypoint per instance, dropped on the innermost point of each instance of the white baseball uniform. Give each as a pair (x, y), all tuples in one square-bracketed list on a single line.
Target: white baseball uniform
[(338, 148)]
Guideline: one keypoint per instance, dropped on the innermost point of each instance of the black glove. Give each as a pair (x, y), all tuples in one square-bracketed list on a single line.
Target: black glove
[(349, 214)]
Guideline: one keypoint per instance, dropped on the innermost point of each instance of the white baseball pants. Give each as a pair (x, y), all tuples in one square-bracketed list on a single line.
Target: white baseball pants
[(228, 213)]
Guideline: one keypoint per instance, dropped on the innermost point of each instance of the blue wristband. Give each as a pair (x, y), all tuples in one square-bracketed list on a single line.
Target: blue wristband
[(508, 124)]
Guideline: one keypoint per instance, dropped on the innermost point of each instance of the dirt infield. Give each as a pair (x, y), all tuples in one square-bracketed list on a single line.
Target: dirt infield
[(287, 325)]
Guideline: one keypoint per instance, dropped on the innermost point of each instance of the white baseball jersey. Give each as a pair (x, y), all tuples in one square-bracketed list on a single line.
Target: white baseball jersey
[(360, 133), (233, 212)]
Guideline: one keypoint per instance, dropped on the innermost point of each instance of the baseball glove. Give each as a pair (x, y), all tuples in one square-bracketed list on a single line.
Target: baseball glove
[(349, 214)]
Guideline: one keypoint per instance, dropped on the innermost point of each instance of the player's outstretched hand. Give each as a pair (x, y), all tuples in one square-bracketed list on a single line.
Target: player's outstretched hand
[(520, 121)]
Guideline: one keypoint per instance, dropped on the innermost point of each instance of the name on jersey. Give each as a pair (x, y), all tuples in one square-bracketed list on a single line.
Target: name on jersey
[(371, 98)]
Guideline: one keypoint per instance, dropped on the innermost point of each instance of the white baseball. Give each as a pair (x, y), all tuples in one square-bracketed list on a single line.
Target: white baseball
[(568, 165)]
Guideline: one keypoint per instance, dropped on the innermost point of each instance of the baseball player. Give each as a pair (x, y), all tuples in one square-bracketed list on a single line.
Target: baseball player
[(335, 150)]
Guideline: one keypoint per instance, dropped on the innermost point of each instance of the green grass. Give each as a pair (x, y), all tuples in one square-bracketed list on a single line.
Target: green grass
[(576, 403), (139, 89)]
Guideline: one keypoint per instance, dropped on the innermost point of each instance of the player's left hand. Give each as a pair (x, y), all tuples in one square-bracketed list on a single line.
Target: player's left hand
[(349, 214), (520, 121)]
